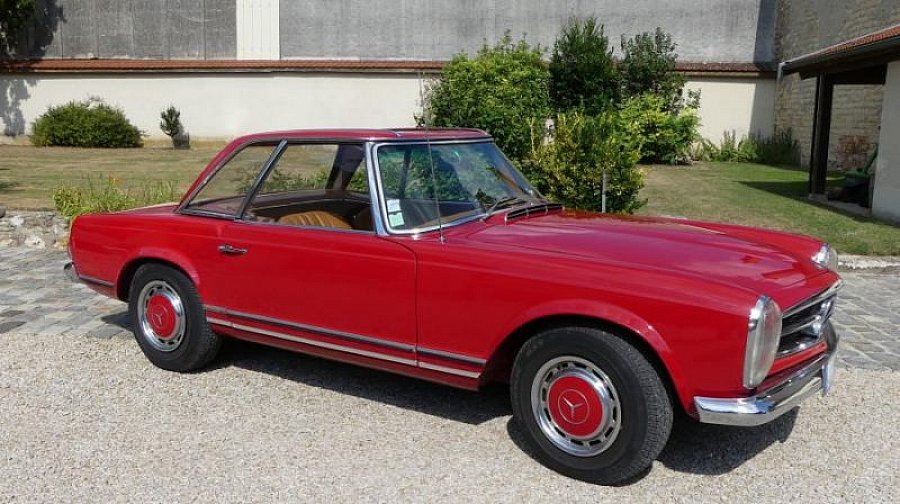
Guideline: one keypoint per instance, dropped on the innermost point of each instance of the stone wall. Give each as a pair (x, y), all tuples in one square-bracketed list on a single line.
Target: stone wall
[(32, 229), (804, 26)]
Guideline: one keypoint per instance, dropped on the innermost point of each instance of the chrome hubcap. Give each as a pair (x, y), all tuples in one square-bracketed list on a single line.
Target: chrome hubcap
[(576, 406), (161, 316)]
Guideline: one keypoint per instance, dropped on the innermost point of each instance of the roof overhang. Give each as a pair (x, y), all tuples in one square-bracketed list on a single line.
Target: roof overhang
[(871, 50)]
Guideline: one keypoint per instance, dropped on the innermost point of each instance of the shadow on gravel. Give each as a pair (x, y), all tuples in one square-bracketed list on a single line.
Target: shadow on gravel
[(716, 449), (407, 393)]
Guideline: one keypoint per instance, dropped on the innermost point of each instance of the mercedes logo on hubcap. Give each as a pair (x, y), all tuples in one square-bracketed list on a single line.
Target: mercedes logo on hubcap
[(573, 407)]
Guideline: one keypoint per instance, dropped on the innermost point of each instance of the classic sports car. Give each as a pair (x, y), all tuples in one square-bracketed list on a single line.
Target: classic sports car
[(426, 253)]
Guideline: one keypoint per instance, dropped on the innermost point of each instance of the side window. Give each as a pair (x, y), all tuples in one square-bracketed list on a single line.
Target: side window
[(300, 167), (228, 187), (316, 185)]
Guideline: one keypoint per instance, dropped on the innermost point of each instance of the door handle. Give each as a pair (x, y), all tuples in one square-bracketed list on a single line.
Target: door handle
[(229, 250)]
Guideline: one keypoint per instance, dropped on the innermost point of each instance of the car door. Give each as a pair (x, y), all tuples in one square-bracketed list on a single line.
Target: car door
[(306, 265)]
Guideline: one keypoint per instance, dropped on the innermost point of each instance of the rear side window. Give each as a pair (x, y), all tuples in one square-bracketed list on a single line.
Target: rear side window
[(226, 190)]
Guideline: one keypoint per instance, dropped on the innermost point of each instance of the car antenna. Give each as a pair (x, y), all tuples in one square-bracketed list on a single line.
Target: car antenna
[(425, 114)]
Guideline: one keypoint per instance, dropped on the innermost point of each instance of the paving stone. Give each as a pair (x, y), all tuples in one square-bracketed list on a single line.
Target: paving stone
[(9, 325)]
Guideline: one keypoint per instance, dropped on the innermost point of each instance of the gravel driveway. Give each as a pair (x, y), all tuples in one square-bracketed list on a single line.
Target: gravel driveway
[(87, 419)]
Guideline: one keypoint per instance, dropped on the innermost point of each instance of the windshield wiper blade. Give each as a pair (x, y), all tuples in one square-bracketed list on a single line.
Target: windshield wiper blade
[(503, 203)]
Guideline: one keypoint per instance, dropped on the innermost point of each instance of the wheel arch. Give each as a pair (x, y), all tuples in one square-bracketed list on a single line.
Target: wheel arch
[(126, 274), (633, 330)]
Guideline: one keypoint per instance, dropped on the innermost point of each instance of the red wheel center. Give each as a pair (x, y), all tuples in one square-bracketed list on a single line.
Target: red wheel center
[(575, 406), (161, 316)]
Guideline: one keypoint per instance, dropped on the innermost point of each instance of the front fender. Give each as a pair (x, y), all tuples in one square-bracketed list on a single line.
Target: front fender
[(609, 313)]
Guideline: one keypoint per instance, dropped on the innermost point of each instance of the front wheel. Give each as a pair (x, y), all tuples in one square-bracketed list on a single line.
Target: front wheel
[(591, 405), (168, 319)]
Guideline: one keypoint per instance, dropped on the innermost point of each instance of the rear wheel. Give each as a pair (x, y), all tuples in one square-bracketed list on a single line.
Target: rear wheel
[(168, 319), (591, 405)]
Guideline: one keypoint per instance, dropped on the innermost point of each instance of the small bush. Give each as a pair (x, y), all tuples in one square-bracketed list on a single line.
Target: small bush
[(667, 136), (648, 66), (89, 123), (779, 149), (170, 123), (503, 90), (568, 167), (106, 195), (582, 71)]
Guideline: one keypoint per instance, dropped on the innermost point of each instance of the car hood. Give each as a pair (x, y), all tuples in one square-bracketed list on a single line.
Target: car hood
[(744, 257)]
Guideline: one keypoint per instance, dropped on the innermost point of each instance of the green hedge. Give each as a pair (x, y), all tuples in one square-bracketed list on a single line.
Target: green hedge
[(89, 123)]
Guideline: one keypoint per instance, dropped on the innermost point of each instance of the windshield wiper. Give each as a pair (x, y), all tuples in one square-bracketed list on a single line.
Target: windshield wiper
[(503, 203)]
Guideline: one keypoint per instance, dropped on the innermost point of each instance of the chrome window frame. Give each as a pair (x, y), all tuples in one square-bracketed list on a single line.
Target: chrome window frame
[(184, 206), (386, 229)]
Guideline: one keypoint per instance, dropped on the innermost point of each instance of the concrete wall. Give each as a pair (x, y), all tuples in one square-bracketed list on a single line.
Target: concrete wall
[(804, 26), (151, 29), (224, 105), (231, 104), (742, 105), (886, 199), (705, 30)]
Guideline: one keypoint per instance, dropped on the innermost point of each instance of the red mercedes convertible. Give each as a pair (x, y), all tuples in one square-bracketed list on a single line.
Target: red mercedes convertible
[(426, 253)]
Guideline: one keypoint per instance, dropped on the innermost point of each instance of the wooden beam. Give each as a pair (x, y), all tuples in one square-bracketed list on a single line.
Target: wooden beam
[(818, 159)]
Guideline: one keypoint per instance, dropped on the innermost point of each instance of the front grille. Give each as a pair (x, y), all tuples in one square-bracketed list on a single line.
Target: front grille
[(804, 325)]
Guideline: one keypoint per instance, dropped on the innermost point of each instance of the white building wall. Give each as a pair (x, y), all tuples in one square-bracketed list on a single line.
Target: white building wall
[(886, 197), (741, 105), (231, 104), (223, 105), (257, 24)]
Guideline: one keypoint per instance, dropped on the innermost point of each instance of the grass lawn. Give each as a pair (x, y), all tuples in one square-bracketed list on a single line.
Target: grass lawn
[(755, 195), (764, 196), (28, 175)]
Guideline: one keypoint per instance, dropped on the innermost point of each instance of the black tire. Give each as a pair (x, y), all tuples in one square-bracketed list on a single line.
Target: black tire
[(641, 403), (193, 344)]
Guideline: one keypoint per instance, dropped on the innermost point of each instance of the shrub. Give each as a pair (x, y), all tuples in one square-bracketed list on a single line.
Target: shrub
[(89, 123), (667, 136), (582, 71), (779, 149), (568, 167), (503, 90), (170, 123), (648, 66), (106, 195)]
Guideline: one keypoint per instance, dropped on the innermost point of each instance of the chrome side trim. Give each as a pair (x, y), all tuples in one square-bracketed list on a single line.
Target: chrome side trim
[(453, 371), (776, 400), (96, 281), (316, 343), (451, 356), (351, 337), (314, 329)]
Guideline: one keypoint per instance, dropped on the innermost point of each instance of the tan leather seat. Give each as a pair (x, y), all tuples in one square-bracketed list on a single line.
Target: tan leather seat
[(316, 218)]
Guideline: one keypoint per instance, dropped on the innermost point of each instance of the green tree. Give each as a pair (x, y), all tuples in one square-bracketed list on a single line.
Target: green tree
[(582, 71), (502, 90), (648, 66), (568, 167), (14, 14)]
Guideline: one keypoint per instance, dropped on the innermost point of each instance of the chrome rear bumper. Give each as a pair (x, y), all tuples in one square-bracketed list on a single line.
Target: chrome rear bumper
[(69, 270), (777, 399)]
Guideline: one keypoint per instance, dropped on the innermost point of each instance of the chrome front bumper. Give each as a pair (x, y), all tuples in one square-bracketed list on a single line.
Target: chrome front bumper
[(777, 399)]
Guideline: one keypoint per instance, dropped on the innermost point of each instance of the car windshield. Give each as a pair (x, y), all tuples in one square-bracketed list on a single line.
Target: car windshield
[(468, 180)]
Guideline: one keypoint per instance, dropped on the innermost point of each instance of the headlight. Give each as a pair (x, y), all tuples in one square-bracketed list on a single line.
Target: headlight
[(826, 257), (763, 335)]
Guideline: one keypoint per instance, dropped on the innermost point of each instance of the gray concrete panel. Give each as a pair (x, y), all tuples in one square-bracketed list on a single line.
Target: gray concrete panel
[(705, 30), (79, 31), (219, 27), (115, 28), (150, 40), (184, 29)]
